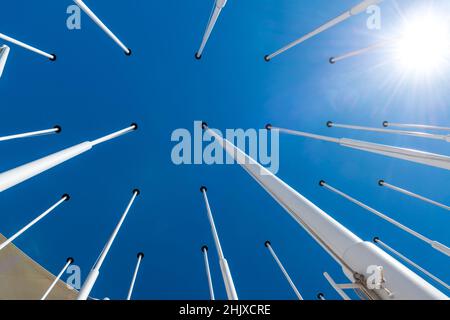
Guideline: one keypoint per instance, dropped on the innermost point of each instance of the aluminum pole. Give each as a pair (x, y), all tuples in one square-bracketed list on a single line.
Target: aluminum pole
[(434, 244), (359, 52), (208, 272), (95, 271), (13, 177), (352, 253), (140, 256), (58, 277), (55, 129), (286, 274), (99, 23), (64, 198), (414, 126), (4, 53), (226, 273), (361, 7), (51, 57)]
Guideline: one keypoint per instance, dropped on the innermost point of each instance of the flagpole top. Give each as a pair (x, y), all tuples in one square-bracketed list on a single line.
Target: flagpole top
[(205, 248), (266, 58), (137, 192), (70, 260), (203, 189), (66, 196), (385, 124), (329, 124), (58, 129), (129, 52), (381, 183), (140, 255), (268, 127), (204, 125), (197, 56), (53, 58), (332, 60), (267, 244), (376, 239), (322, 183)]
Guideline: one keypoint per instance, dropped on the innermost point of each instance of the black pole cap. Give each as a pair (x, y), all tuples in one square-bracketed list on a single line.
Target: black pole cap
[(70, 259), (385, 124), (381, 183), (266, 58), (204, 248), (67, 196), (320, 296), (140, 255), (268, 127), (332, 61), (197, 56), (203, 188), (376, 239), (135, 125), (204, 125), (267, 244), (329, 124), (129, 53), (322, 183), (58, 128), (53, 58), (137, 191)]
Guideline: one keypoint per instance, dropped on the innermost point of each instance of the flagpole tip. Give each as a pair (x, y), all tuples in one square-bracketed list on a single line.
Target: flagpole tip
[(197, 56), (204, 125), (267, 244), (70, 260), (322, 183), (58, 129), (203, 189), (135, 125), (381, 183), (376, 239), (66, 196), (140, 255), (129, 52), (266, 58), (320, 296), (53, 58), (385, 124), (268, 127), (329, 124), (204, 248), (331, 60), (137, 192)]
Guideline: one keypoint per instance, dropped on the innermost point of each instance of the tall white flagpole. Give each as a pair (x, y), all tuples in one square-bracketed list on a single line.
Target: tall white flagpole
[(414, 126), (51, 57), (4, 52), (226, 273), (352, 253), (422, 157), (286, 274), (64, 198), (359, 52), (208, 272), (95, 271), (383, 183), (58, 277), (434, 244), (410, 262), (99, 23), (359, 8), (140, 256), (55, 129), (10, 178), (218, 6)]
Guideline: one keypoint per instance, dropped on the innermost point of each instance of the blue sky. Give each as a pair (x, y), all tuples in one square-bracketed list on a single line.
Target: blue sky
[(94, 89)]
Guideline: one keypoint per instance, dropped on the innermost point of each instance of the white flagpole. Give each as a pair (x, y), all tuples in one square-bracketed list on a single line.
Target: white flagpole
[(99, 23), (218, 6), (359, 52), (140, 256), (446, 138), (414, 126), (9, 179), (58, 277), (286, 274), (434, 244), (410, 262), (422, 157), (226, 273), (56, 129), (51, 57), (95, 271), (383, 183), (65, 197), (361, 7), (321, 296), (208, 272), (352, 253), (4, 52)]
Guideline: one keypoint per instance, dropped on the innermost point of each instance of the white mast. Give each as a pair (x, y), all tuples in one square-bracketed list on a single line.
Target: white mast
[(64, 198), (383, 183), (140, 256), (361, 7), (218, 6), (434, 244), (358, 52), (352, 253), (22, 173), (95, 271), (55, 129), (52, 57), (4, 52), (208, 272), (414, 126), (99, 23), (226, 273), (58, 277), (286, 274)]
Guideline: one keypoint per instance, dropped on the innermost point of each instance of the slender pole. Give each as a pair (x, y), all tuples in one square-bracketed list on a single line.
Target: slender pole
[(218, 6), (99, 23), (415, 126), (56, 129), (361, 7), (58, 277), (64, 198), (51, 57), (434, 244), (208, 272), (226, 273), (410, 262), (286, 274), (140, 256), (359, 52), (4, 53), (13, 177), (422, 157), (336, 287), (95, 271), (383, 183), (352, 253), (321, 296)]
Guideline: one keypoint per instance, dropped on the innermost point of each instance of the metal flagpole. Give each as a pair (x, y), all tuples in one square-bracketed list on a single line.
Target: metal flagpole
[(208, 272), (140, 256), (58, 277), (4, 52), (55, 129), (22, 173), (99, 23), (434, 244), (422, 157), (383, 183), (352, 253), (385, 246), (286, 274), (358, 52), (218, 6), (52, 57), (226, 273), (95, 271), (414, 126), (64, 198), (361, 7)]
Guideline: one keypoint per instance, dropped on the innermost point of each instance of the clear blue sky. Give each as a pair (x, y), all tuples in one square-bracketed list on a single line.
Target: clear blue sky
[(94, 89)]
